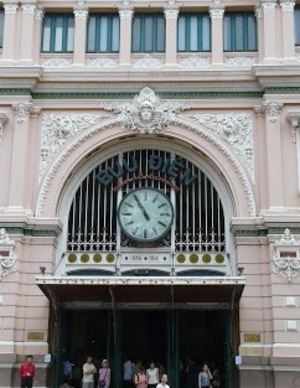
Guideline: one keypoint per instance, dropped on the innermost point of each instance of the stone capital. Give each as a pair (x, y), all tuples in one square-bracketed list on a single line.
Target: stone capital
[(126, 14), (287, 5), (272, 109), (3, 120), (293, 117), (22, 111), (171, 13), (268, 6), (28, 9), (216, 12), (39, 14), (258, 12), (10, 8)]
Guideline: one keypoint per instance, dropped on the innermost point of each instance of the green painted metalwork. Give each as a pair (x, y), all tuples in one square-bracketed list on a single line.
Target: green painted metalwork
[(231, 41), (68, 21), (110, 44), (200, 33), (139, 40)]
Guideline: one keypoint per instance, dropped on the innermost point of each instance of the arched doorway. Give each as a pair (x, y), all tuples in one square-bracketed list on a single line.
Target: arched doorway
[(119, 319)]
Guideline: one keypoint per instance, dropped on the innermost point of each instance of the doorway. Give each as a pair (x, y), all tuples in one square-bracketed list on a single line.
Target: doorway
[(145, 336), (167, 337)]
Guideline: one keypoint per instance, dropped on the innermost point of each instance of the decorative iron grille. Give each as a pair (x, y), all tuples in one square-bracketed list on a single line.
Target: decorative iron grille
[(199, 217)]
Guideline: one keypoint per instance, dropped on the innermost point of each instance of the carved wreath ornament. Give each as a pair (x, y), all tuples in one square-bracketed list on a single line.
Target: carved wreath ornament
[(286, 261), (7, 254)]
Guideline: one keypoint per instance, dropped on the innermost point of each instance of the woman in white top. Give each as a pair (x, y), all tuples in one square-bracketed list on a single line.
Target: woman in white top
[(163, 384), (152, 376)]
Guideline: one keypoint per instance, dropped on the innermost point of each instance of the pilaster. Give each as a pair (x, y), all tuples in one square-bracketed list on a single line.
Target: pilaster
[(293, 117), (9, 35), (39, 14), (269, 16), (274, 154), (288, 30), (260, 33), (171, 16), (80, 31), (19, 162), (126, 16), (217, 14), (27, 33)]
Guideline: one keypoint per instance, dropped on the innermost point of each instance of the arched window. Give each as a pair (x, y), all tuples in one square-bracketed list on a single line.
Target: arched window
[(197, 234)]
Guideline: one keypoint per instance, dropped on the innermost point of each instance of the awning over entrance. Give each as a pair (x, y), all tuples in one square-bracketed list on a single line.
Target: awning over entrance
[(174, 292)]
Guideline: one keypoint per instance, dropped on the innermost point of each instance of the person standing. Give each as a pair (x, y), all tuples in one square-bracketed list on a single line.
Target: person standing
[(89, 371), (27, 372), (164, 380), (104, 375), (204, 377), (140, 378), (152, 376), (128, 373)]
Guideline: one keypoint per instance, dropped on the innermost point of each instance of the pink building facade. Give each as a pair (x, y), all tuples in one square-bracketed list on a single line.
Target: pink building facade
[(196, 101)]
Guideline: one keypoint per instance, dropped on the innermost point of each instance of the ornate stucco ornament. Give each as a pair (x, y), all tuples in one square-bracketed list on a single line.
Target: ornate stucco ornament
[(8, 257), (146, 113), (58, 128), (235, 129), (3, 120), (286, 261)]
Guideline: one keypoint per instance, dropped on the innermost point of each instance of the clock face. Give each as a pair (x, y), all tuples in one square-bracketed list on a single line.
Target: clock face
[(145, 215)]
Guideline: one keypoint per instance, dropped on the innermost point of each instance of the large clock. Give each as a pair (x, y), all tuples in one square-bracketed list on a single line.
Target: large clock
[(145, 215)]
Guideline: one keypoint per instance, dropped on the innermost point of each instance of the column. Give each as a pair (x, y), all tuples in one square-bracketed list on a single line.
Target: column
[(19, 161), (27, 32), (269, 14), (171, 16), (81, 14), (216, 15), (9, 36), (288, 30), (260, 33), (274, 154), (125, 36)]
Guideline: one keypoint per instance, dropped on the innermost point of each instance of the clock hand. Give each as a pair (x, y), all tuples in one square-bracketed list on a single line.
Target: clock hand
[(146, 215)]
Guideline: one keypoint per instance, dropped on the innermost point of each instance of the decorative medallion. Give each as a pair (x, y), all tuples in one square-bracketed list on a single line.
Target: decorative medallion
[(7, 254)]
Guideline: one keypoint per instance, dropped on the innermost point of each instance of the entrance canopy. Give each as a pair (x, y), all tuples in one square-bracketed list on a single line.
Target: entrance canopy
[(143, 292)]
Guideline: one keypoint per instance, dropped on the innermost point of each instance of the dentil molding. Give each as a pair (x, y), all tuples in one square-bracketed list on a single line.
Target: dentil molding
[(8, 256), (286, 260)]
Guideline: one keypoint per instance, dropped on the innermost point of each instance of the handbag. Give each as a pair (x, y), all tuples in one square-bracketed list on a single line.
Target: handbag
[(102, 382)]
